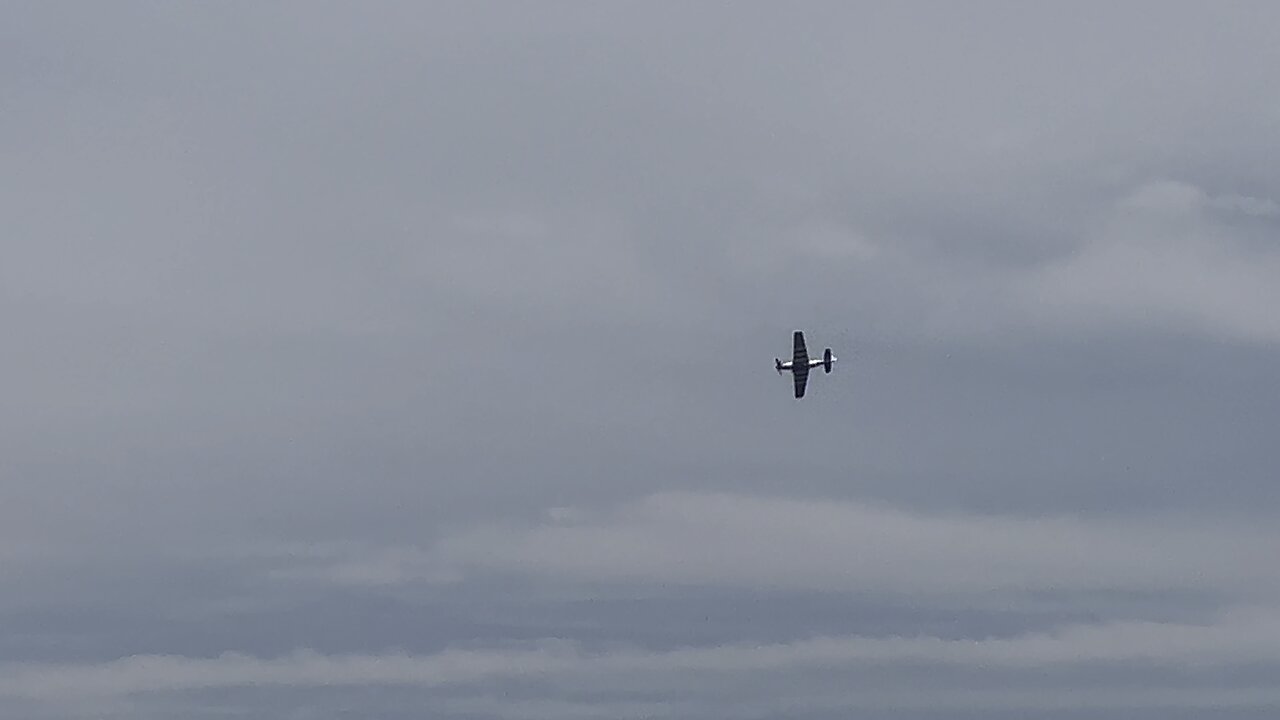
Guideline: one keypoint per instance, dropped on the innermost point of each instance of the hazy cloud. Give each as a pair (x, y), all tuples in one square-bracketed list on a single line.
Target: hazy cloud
[(1248, 637), (438, 339), (1172, 257), (751, 541)]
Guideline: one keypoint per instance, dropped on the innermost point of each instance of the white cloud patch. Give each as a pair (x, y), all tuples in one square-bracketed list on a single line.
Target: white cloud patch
[(1244, 204), (1169, 257), (1165, 256)]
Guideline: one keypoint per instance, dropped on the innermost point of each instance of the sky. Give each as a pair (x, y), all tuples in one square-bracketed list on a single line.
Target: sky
[(395, 360)]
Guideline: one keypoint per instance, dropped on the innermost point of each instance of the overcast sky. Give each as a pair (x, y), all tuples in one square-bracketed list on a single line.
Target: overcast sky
[(402, 360)]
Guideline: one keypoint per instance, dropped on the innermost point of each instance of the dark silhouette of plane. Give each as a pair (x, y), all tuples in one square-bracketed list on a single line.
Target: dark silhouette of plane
[(800, 363)]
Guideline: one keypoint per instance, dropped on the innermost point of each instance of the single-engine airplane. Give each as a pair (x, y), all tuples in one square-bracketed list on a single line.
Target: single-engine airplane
[(800, 363)]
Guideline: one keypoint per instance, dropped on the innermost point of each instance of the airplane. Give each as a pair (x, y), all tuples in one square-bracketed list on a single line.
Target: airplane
[(800, 363)]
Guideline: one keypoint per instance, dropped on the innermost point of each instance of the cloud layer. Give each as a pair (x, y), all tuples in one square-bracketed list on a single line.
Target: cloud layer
[(1238, 638), (417, 360), (751, 541)]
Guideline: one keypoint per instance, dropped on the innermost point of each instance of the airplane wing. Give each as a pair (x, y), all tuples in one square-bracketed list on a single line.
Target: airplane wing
[(801, 376), (799, 355), (799, 362)]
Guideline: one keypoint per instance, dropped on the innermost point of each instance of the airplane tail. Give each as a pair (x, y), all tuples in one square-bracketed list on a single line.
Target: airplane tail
[(827, 359), (777, 364)]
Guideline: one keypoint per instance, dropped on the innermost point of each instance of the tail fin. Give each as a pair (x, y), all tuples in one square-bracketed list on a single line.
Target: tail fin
[(827, 359)]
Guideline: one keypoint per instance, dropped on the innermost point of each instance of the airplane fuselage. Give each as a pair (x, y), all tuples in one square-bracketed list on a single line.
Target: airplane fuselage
[(791, 365)]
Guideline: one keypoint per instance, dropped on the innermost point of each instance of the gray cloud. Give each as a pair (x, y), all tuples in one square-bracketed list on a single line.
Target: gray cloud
[(1165, 260), (1237, 638), (746, 541), (312, 314)]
